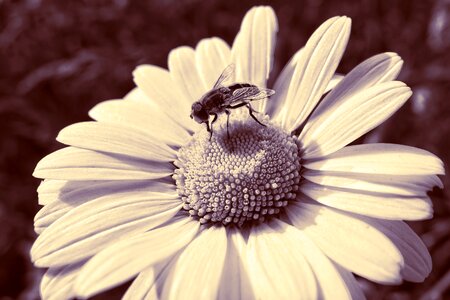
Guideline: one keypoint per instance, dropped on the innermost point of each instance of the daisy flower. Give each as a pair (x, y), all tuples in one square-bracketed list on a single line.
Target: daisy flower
[(279, 210)]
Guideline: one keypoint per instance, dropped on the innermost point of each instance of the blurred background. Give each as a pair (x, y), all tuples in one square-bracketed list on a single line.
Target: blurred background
[(60, 58)]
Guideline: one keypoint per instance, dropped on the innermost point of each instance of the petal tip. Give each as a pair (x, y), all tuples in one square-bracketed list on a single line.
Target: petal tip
[(137, 70), (438, 182), (344, 21), (79, 290), (36, 173), (38, 260), (393, 57), (440, 170)]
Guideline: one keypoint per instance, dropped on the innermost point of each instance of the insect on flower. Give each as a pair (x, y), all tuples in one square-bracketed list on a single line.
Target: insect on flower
[(221, 99)]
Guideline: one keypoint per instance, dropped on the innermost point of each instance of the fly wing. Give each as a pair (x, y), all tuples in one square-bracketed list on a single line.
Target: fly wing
[(250, 94), (226, 74)]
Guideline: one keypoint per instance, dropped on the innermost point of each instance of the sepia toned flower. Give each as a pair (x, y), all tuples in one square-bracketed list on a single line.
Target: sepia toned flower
[(273, 207)]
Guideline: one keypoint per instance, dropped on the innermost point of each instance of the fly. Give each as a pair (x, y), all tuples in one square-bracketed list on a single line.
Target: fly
[(222, 99)]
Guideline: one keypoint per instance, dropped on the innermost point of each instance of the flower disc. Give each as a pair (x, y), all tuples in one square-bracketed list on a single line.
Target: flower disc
[(242, 177)]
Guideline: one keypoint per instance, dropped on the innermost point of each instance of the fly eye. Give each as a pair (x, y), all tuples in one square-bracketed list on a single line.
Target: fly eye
[(197, 107)]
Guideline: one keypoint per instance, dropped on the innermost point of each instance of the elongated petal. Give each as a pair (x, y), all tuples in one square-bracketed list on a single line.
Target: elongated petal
[(184, 72), (52, 186), (380, 159), (79, 164), (405, 185), (209, 249), (161, 89), (141, 116), (90, 191), (141, 285), (350, 281), (49, 189), (281, 86), (254, 46), (314, 69), (377, 69), (137, 95), (82, 191), (282, 83), (113, 138), (126, 258), (417, 258), (212, 56), (235, 282), (352, 243), (278, 270), (57, 283), (330, 283), (335, 80), (336, 128), (92, 226), (149, 283), (379, 205)]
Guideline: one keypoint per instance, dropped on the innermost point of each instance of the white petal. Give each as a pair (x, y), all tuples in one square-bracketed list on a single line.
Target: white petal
[(124, 259), (277, 269), (379, 205), (417, 258), (197, 272), (377, 69), (281, 87), (356, 116), (149, 283), (92, 226), (141, 285), (235, 282), (331, 285), (163, 269), (79, 164), (405, 185), (51, 186), (380, 159), (67, 200), (116, 139), (57, 283), (137, 95), (49, 189), (162, 90), (349, 241), (141, 116), (352, 284), (282, 84), (254, 46), (184, 72), (212, 56), (337, 127), (335, 80), (315, 67)]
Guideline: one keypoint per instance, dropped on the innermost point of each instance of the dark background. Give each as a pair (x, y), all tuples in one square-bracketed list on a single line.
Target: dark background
[(59, 58)]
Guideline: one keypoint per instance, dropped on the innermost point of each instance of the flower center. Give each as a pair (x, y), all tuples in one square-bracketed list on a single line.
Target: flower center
[(250, 175)]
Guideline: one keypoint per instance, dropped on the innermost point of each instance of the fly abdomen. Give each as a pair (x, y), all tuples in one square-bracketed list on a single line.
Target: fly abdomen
[(237, 86)]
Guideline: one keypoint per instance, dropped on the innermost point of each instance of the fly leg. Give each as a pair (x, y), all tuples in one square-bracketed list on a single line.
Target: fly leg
[(210, 129), (228, 122), (250, 111), (237, 105)]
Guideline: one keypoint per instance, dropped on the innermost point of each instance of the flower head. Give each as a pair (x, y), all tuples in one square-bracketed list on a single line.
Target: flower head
[(270, 204)]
